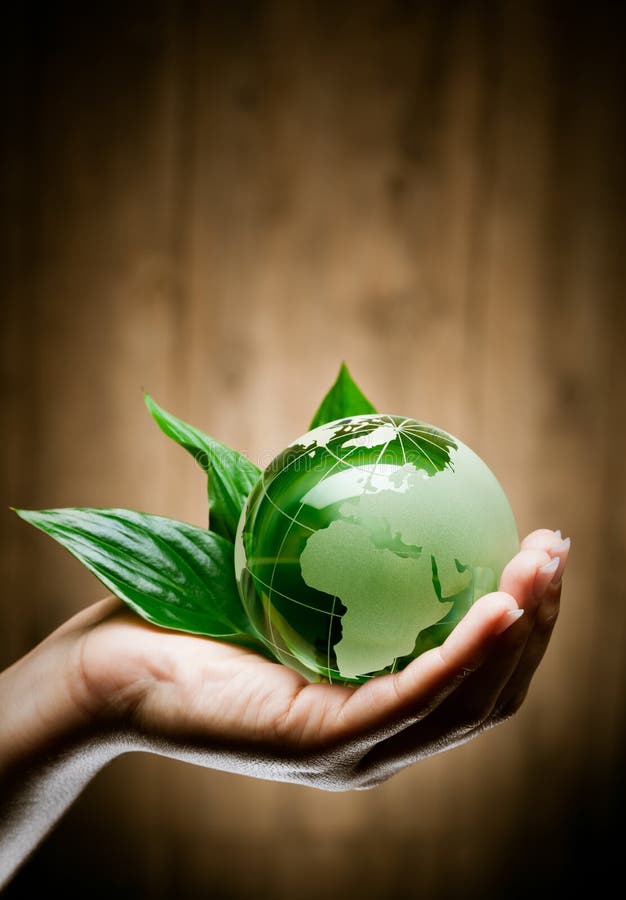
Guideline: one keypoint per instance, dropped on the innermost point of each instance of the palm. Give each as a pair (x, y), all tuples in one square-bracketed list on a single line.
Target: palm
[(230, 708)]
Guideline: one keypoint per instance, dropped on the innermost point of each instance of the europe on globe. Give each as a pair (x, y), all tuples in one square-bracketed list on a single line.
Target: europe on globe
[(365, 541)]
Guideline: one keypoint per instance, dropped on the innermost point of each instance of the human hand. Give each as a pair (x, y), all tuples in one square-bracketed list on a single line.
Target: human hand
[(229, 708), (107, 683)]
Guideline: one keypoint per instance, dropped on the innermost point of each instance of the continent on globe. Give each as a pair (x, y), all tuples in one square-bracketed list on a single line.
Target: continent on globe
[(380, 624), (364, 543)]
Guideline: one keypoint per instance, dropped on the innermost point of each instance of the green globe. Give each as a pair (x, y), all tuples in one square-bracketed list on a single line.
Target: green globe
[(365, 542)]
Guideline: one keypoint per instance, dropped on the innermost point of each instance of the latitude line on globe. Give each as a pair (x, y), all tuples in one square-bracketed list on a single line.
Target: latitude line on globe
[(294, 519), (291, 462), (420, 437), (350, 465), (335, 437), (292, 599), (285, 514), (396, 436), (293, 655), (381, 454), (284, 469), (307, 452), (289, 653), (282, 543)]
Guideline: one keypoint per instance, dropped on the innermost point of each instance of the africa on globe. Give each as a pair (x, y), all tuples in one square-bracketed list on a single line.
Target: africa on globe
[(365, 541)]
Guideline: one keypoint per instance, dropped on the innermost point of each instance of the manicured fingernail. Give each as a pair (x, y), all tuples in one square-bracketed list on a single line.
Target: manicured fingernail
[(507, 619), (545, 575), (561, 548)]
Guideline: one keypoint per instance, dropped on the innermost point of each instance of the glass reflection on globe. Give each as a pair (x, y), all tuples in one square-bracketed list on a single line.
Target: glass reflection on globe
[(364, 543)]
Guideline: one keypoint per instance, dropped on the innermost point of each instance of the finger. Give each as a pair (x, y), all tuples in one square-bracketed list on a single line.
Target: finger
[(550, 541), (490, 695), (467, 708), (403, 699), (541, 539), (389, 703), (527, 578), (522, 572), (515, 690), (315, 715), (460, 716)]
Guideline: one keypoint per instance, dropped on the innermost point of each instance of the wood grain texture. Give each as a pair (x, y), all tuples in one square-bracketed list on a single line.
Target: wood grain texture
[(219, 202)]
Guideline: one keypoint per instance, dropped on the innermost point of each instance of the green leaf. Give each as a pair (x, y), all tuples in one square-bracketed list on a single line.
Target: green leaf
[(171, 573), (231, 475), (343, 399)]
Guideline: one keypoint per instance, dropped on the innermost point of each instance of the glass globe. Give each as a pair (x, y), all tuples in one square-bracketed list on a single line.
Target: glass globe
[(365, 541)]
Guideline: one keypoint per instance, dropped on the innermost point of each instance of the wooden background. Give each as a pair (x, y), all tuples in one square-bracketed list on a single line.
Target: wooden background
[(219, 202)]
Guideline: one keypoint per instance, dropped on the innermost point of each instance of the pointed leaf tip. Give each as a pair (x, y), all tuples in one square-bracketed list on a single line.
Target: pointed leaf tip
[(231, 475), (344, 399), (172, 574)]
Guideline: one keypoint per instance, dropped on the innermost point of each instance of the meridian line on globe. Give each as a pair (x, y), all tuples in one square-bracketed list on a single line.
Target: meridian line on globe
[(282, 543), (296, 458), (382, 537), (306, 452), (380, 625), (419, 438), (350, 465), (289, 464), (380, 455), (285, 514), (321, 436), (350, 662), (378, 459), (409, 431), (295, 520), (373, 438), (421, 450), (330, 632), (283, 651), (440, 612), (403, 450), (412, 429)]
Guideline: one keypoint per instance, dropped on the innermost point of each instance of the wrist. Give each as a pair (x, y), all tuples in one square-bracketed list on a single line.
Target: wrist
[(46, 711)]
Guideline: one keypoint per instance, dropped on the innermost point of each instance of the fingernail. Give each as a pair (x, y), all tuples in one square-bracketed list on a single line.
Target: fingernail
[(545, 575), (507, 619), (561, 547)]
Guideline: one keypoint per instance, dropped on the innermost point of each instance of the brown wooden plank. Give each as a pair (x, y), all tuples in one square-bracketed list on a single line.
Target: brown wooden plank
[(219, 202)]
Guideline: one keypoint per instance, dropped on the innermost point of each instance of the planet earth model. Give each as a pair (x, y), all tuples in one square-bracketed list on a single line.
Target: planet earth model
[(365, 541)]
